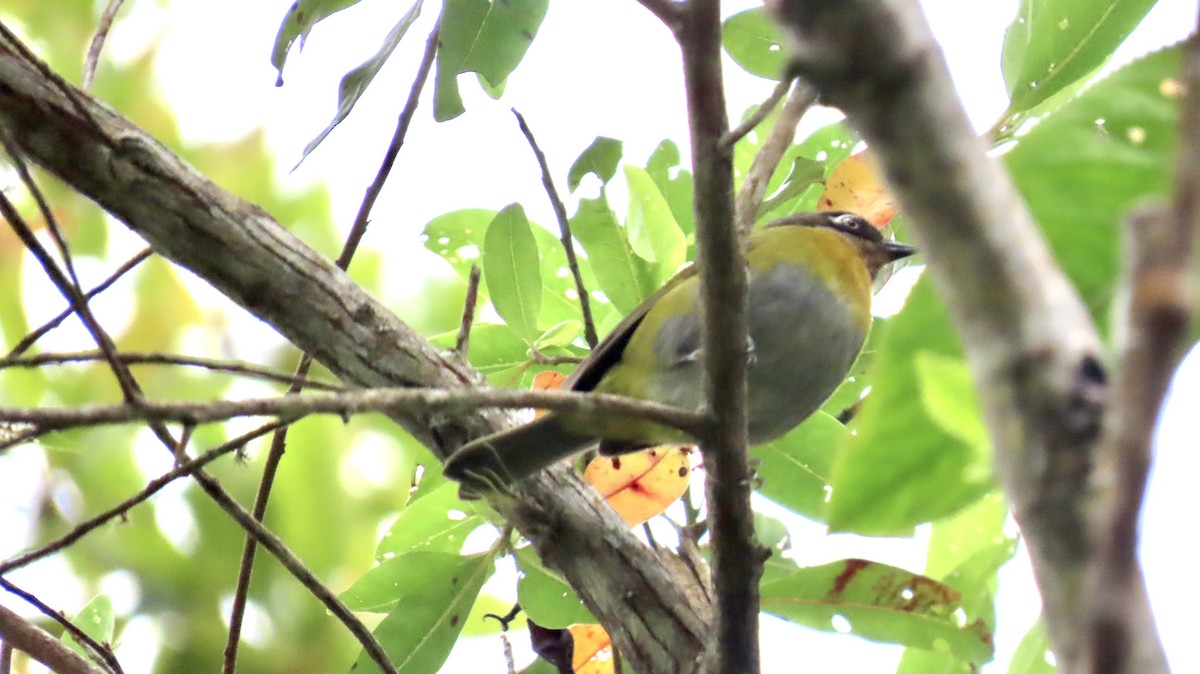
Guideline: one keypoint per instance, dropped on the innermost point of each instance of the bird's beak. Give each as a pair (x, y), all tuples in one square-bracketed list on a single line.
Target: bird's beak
[(895, 250)]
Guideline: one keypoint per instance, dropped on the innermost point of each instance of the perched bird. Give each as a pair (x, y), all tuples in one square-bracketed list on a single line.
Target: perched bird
[(809, 307)]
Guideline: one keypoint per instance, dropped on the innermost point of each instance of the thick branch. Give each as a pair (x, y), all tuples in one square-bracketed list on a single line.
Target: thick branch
[(1031, 344), (42, 646), (245, 254)]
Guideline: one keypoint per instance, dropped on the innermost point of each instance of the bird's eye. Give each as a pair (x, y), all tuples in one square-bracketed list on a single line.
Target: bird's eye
[(848, 220)]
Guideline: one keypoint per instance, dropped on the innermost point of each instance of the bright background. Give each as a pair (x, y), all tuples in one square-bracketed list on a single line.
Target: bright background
[(573, 85)]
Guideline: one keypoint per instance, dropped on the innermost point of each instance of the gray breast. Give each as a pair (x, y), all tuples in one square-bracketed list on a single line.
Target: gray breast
[(804, 342)]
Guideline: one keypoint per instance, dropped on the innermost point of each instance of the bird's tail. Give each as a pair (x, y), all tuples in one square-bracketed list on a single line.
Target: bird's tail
[(502, 459)]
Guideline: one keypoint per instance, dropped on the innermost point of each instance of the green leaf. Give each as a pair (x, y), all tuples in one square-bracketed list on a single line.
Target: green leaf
[(355, 82), (484, 37), (512, 270), (795, 468), (601, 158), (434, 593), (675, 183), (878, 602), (439, 521), (547, 599), (559, 334), (1031, 654), (899, 468), (948, 394), (826, 147), (1052, 43), (654, 234), (754, 43), (624, 277), (803, 174), (1082, 168), (955, 539), (96, 620), (457, 237), (771, 533), (299, 20), (495, 350)]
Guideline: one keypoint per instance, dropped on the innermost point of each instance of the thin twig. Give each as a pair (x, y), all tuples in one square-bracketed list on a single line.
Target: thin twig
[(542, 359), (564, 229), (279, 441), (754, 187), (39, 198), (153, 487), (154, 358), (762, 112), (463, 341), (29, 340), (93, 54), (17, 632), (132, 393), (101, 651), (69, 290), (355, 402)]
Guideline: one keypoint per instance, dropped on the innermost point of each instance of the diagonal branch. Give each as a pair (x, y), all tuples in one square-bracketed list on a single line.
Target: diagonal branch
[(564, 229), (42, 646), (1031, 344), (656, 611), (241, 591)]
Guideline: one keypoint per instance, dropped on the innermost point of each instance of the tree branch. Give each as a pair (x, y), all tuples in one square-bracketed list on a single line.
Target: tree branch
[(42, 646), (246, 255), (737, 557), (241, 591), (754, 187), (31, 338), (1030, 342), (1160, 287), (232, 367), (100, 651), (346, 403), (564, 229)]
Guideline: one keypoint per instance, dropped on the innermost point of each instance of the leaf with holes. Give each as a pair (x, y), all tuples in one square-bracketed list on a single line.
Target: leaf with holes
[(753, 42), (600, 158), (1052, 43), (438, 521), (878, 602), (484, 37)]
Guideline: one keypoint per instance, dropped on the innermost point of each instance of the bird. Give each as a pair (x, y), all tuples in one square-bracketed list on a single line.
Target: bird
[(808, 300)]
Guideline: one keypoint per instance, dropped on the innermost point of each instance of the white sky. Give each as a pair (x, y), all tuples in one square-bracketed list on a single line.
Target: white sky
[(577, 82)]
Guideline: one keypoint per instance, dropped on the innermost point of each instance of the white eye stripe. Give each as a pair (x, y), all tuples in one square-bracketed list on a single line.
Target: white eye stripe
[(848, 219)]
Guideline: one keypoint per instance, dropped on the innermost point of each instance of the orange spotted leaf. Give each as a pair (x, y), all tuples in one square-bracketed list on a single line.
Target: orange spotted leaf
[(856, 185), (642, 484), (593, 650), (547, 380)]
